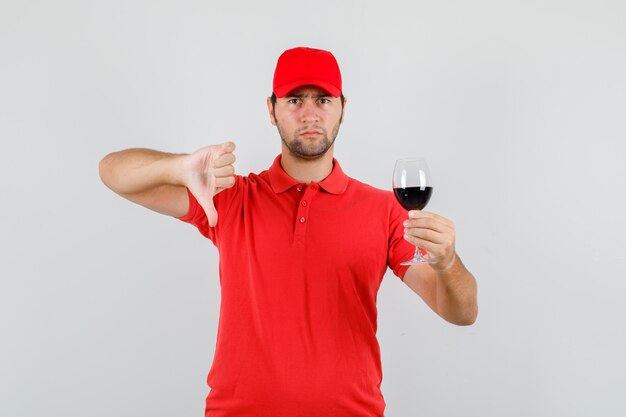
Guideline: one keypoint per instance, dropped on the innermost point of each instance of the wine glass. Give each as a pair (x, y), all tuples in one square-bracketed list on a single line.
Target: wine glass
[(412, 186)]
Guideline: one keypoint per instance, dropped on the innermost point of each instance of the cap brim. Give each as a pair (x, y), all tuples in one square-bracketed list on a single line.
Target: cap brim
[(283, 90)]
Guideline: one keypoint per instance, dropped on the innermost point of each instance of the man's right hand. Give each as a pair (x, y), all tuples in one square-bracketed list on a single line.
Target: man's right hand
[(207, 172)]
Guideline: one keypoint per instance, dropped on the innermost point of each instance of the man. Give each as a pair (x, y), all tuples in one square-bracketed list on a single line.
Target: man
[(303, 249)]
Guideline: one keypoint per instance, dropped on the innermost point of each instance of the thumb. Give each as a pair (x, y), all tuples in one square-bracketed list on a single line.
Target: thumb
[(210, 211), (224, 148), (207, 202), (228, 146)]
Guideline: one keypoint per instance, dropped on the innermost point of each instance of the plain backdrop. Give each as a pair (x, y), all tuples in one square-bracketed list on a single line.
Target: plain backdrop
[(109, 309)]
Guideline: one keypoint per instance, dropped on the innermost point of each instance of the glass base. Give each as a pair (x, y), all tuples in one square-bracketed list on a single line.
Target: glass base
[(420, 260)]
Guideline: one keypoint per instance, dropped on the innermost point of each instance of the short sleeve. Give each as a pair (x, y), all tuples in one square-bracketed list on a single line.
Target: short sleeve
[(399, 249), (197, 217)]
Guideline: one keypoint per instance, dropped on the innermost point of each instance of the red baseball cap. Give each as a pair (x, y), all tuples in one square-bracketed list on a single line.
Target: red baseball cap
[(306, 66)]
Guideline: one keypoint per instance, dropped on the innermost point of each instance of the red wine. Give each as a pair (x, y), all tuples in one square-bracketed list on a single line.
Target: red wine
[(413, 198)]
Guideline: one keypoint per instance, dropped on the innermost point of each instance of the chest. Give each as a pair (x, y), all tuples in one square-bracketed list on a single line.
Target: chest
[(313, 230)]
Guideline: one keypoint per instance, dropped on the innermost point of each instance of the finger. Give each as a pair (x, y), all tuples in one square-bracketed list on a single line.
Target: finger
[(224, 182), (228, 147), (420, 243), (219, 150), (418, 214), (427, 235), (428, 223), (439, 244), (434, 250), (225, 171), (414, 214), (446, 240), (223, 160)]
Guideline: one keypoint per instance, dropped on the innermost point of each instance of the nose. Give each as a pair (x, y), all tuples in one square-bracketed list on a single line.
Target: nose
[(309, 113)]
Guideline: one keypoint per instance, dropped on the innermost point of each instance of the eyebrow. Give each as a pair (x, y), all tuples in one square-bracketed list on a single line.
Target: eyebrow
[(308, 95)]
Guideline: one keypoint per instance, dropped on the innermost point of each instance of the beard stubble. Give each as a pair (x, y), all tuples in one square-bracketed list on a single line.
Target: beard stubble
[(309, 149)]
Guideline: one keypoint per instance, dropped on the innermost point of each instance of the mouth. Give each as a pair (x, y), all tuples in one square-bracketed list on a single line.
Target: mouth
[(310, 133)]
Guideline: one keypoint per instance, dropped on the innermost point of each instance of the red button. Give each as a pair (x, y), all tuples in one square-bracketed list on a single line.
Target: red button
[(304, 203), (299, 188), (302, 219)]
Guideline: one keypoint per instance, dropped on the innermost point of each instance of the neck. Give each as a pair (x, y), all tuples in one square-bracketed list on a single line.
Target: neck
[(307, 170)]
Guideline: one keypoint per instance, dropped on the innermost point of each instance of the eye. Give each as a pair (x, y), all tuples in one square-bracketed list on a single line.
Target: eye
[(324, 100), (293, 101)]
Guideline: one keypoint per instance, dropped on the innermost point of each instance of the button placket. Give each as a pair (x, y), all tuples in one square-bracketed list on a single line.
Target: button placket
[(303, 211)]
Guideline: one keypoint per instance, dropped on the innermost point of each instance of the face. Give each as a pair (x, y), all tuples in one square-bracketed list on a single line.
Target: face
[(308, 120)]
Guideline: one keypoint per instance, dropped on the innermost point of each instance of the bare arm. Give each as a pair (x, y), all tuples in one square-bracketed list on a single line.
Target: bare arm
[(150, 178), (451, 293), (157, 180), (446, 286)]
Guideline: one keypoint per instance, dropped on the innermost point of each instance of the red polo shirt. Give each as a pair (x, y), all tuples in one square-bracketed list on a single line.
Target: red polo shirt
[(300, 267)]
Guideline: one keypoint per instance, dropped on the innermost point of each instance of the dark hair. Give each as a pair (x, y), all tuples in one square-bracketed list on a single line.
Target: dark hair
[(273, 100)]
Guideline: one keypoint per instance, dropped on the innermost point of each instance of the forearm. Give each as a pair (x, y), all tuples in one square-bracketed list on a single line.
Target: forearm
[(133, 171), (457, 294)]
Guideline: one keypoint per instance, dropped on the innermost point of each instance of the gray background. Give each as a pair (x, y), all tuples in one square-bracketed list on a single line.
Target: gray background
[(108, 309)]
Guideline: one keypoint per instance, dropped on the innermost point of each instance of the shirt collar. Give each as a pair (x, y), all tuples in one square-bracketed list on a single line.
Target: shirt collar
[(335, 183)]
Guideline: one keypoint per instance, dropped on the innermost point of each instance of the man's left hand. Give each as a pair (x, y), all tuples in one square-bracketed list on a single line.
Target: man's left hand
[(433, 233)]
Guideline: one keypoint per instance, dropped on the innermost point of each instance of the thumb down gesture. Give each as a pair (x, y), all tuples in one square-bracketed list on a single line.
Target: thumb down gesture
[(208, 171)]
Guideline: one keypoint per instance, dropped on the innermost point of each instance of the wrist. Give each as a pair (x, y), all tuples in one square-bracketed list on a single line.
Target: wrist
[(443, 267), (175, 169)]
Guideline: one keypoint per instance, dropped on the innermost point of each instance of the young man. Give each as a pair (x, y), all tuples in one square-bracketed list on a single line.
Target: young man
[(303, 249)]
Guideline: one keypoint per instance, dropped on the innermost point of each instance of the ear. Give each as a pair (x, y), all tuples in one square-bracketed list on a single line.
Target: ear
[(270, 110), (343, 110)]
